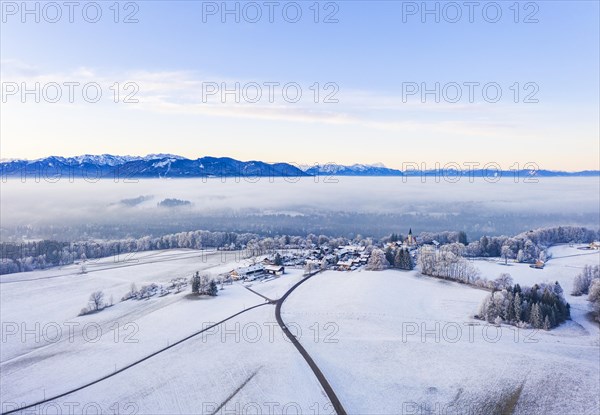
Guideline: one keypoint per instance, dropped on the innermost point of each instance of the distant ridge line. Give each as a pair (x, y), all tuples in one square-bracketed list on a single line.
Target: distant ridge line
[(174, 166)]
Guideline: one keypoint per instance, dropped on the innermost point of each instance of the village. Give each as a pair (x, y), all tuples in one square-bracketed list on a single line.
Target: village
[(349, 257), (360, 254)]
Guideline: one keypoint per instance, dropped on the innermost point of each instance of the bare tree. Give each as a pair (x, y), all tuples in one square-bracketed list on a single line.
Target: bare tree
[(96, 300)]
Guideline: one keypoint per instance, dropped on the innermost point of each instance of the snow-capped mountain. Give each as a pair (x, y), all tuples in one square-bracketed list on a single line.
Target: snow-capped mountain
[(150, 166), (377, 169), (173, 166)]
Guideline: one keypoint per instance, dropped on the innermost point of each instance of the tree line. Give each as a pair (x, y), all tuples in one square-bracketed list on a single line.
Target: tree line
[(588, 282), (542, 306), (524, 247)]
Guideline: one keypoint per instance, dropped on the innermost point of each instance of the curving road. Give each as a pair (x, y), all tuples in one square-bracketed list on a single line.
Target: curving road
[(311, 363), (339, 409)]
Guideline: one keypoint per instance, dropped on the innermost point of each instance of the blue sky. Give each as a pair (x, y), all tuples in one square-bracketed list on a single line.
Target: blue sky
[(370, 53)]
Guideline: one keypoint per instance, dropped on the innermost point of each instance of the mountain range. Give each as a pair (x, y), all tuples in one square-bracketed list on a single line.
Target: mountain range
[(173, 166)]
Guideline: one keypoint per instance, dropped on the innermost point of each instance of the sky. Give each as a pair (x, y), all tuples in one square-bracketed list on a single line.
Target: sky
[(365, 82)]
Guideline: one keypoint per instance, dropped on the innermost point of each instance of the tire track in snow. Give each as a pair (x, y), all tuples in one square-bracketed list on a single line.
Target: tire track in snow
[(124, 264), (235, 392), (129, 366)]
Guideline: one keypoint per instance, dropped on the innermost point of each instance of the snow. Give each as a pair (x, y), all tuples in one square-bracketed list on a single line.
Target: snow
[(563, 266), (202, 373), (163, 163), (53, 358), (405, 343), (275, 287), (388, 342)]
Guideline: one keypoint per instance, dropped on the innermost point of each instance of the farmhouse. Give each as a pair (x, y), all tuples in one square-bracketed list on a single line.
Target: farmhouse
[(538, 264), (244, 272), (274, 269), (345, 265)]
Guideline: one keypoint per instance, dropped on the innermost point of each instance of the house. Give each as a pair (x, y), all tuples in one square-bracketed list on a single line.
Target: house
[(274, 269), (244, 272), (538, 264), (330, 258), (595, 245), (345, 265)]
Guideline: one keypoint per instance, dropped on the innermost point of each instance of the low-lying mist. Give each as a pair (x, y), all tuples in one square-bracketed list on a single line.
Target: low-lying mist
[(344, 206)]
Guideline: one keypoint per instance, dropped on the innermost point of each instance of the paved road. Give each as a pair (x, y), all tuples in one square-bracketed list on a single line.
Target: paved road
[(319, 375), (259, 294), (339, 409)]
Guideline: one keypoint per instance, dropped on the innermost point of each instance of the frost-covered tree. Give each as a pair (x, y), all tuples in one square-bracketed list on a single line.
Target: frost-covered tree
[(444, 263), (503, 281), (517, 307), (309, 267), (96, 300), (536, 316), (204, 285), (377, 260), (583, 281), (547, 325), (506, 253), (594, 297), (540, 306)]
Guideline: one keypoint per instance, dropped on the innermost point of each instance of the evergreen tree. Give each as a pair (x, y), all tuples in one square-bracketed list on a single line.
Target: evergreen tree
[(196, 283), (510, 307), (547, 325), (525, 311), (398, 259), (553, 321), (212, 289), (408, 261), (536, 316), (517, 307), (558, 289), (392, 257)]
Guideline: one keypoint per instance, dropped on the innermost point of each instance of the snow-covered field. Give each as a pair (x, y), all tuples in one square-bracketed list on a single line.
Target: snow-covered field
[(408, 344), (47, 349), (387, 342), (567, 261)]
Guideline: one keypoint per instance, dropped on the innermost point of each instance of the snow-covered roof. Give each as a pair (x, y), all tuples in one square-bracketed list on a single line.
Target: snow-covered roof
[(274, 267), (251, 268)]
